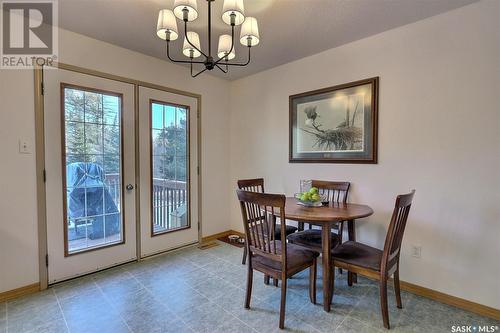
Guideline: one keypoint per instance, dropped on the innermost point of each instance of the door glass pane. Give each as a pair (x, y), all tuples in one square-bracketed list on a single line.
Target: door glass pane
[(93, 170), (169, 166)]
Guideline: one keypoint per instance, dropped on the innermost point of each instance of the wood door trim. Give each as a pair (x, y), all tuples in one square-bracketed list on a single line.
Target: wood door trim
[(123, 79), (41, 203)]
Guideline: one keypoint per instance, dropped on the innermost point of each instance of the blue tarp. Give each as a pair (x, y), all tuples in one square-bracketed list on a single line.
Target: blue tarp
[(89, 198)]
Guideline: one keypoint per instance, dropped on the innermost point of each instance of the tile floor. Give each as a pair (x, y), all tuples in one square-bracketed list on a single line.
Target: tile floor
[(194, 290)]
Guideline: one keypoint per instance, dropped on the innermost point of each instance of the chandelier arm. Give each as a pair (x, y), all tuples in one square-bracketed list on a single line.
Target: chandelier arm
[(195, 75), (243, 64), (180, 61), (232, 46), (189, 42), (222, 70)]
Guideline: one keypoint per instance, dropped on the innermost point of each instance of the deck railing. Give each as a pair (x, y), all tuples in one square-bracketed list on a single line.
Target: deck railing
[(167, 196)]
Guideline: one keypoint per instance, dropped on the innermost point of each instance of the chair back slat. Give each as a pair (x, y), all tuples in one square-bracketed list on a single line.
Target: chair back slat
[(336, 192), (255, 185), (271, 230), (251, 185), (394, 238), (258, 210)]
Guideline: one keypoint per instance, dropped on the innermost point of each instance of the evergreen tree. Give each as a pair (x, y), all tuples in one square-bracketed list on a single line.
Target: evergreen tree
[(172, 144), (92, 126)]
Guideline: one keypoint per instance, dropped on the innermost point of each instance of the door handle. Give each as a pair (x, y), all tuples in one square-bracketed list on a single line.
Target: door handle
[(129, 187)]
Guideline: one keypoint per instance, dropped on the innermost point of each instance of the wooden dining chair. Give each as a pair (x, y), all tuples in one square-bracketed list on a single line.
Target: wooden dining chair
[(336, 192), (257, 185), (268, 255), (380, 264)]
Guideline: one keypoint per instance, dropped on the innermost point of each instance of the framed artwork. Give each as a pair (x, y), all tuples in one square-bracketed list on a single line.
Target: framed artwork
[(336, 124)]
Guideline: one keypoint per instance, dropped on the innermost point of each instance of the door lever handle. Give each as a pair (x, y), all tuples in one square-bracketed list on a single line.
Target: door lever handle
[(129, 187)]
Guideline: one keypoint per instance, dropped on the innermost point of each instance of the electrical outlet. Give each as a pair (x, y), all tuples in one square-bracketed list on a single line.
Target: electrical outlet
[(416, 251)]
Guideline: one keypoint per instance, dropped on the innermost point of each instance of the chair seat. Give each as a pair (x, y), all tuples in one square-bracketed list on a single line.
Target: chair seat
[(289, 229), (312, 239), (358, 254), (297, 257)]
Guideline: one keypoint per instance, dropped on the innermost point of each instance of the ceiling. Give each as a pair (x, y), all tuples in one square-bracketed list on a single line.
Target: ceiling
[(289, 29)]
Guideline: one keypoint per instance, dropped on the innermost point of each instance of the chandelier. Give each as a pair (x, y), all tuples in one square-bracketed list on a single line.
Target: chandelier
[(233, 14)]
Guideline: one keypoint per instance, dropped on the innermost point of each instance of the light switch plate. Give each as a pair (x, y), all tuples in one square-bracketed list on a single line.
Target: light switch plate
[(24, 146)]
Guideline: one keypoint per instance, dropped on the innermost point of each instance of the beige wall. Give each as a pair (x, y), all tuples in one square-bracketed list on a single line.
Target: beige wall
[(18, 220), (439, 133), (439, 122)]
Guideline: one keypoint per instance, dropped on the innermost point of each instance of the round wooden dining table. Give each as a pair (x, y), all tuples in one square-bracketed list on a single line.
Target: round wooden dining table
[(326, 217)]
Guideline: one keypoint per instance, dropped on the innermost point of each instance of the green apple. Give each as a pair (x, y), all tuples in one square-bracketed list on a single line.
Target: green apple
[(313, 190), (315, 197)]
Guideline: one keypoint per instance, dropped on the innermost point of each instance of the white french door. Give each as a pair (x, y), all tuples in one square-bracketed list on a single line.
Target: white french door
[(90, 173), (168, 145), (90, 161)]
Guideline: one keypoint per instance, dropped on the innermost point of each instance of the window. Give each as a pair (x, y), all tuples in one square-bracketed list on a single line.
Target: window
[(169, 167), (92, 148)]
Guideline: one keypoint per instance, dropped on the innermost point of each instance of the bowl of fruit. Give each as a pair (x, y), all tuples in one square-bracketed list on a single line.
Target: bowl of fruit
[(310, 198)]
